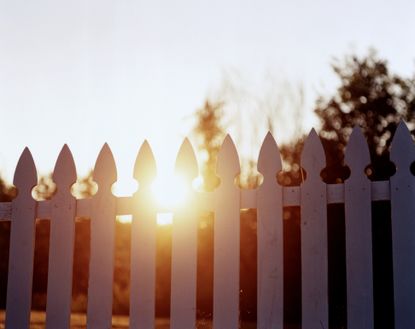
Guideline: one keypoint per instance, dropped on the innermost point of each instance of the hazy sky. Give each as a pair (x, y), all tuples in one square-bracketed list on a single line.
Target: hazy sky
[(88, 72)]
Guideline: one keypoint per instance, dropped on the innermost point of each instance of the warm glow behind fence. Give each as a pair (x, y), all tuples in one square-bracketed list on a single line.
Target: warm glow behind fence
[(176, 201)]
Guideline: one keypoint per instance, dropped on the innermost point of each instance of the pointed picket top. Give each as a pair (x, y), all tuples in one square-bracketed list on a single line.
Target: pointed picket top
[(145, 168), (228, 160), (25, 175), (64, 174), (269, 160), (357, 155), (313, 158), (186, 162), (105, 170), (402, 148)]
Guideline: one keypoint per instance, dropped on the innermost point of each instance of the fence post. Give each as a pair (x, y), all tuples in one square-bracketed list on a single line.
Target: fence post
[(22, 243), (358, 224), (403, 227), (101, 264), (143, 244), (314, 257), (226, 240), (184, 246), (270, 239), (61, 245)]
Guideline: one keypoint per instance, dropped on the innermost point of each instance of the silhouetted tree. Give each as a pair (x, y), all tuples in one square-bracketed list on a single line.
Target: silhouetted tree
[(369, 96), (209, 134), (7, 192), (85, 187), (45, 188)]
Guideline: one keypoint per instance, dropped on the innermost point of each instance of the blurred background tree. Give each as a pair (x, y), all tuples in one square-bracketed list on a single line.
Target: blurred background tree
[(209, 133), (45, 188), (7, 193), (369, 96), (85, 187)]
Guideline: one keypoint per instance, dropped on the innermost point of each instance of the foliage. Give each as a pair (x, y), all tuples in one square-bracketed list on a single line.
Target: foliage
[(85, 187), (369, 96), (45, 188), (209, 134), (7, 193), (251, 110)]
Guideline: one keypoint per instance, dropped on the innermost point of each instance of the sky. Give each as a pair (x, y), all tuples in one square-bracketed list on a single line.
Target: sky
[(86, 72)]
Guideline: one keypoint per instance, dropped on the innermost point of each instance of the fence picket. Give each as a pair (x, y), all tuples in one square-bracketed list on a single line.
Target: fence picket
[(184, 247), (61, 245), (358, 224), (270, 239), (314, 257), (101, 264), (402, 186), (22, 243), (143, 244), (226, 240)]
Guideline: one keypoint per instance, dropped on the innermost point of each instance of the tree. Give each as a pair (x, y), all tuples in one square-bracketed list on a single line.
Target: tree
[(85, 187), (369, 96), (7, 193), (45, 188), (209, 134)]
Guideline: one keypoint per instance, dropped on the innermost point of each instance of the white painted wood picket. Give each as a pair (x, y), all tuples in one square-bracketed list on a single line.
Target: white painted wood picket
[(143, 244), (270, 238), (312, 196), (184, 248), (358, 222), (314, 255)]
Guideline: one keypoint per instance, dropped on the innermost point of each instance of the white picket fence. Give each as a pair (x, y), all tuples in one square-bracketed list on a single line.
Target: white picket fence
[(312, 196)]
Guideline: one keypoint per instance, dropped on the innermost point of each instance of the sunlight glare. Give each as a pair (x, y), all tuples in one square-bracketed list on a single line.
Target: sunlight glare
[(164, 218), (124, 187), (170, 191), (198, 183), (124, 219)]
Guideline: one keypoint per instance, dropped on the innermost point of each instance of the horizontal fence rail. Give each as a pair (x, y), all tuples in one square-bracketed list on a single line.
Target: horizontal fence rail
[(226, 202), (380, 191)]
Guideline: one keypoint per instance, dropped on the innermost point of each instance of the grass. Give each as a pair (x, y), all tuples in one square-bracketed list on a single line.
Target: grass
[(78, 321)]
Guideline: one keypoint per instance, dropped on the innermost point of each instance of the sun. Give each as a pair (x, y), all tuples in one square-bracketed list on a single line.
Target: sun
[(168, 191)]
